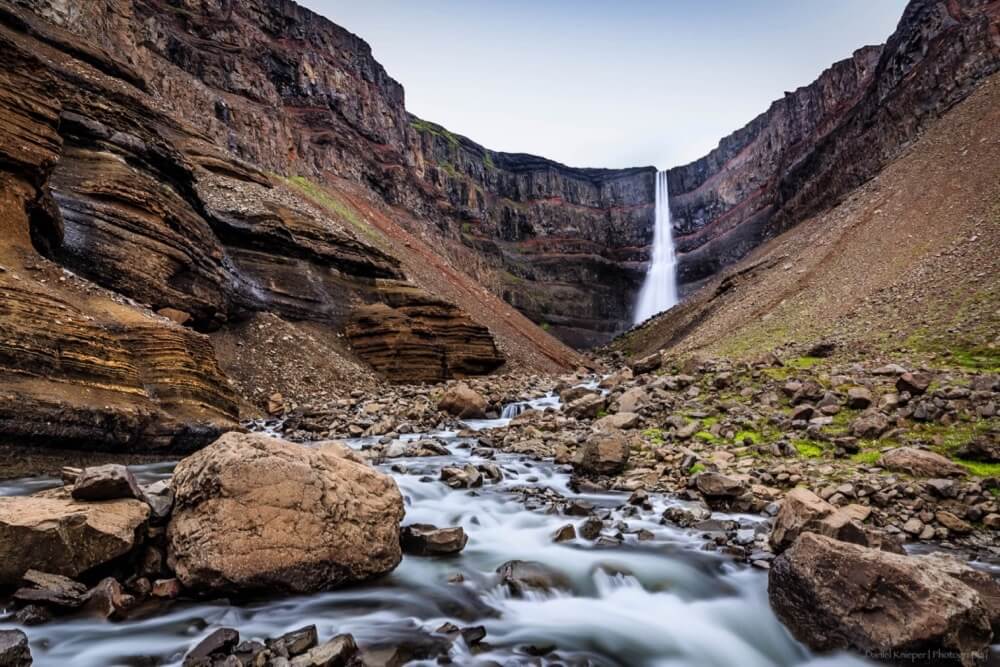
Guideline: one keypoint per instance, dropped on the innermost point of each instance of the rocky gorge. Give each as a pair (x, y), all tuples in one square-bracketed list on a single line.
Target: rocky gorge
[(696, 465), (286, 374)]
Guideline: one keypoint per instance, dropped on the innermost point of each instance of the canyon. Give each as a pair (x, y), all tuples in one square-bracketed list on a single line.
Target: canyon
[(266, 334)]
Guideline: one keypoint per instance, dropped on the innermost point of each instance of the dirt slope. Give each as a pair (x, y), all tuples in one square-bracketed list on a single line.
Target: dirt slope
[(910, 260)]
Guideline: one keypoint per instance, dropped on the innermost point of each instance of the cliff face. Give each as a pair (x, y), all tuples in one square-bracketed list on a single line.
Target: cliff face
[(289, 91), (127, 229), (821, 141), (563, 245), (720, 204)]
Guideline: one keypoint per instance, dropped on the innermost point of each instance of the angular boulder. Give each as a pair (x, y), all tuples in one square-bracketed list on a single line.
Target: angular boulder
[(870, 425), (632, 400), (717, 485), (802, 511), (464, 402), (617, 422), (603, 454), (56, 534), (257, 514), (107, 482), (422, 539), (587, 406), (920, 463), (833, 596), (915, 383)]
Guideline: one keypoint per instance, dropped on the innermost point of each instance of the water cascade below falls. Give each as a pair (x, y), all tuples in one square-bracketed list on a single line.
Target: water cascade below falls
[(659, 291)]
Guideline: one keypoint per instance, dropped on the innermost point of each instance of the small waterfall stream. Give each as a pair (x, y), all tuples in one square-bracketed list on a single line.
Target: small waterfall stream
[(659, 291)]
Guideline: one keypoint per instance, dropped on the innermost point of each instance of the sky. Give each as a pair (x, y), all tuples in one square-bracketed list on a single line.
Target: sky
[(604, 83)]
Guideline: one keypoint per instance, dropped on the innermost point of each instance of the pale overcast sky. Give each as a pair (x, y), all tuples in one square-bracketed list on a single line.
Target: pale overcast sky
[(595, 83)]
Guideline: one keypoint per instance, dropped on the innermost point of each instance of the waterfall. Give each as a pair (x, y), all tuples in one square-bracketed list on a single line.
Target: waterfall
[(659, 291)]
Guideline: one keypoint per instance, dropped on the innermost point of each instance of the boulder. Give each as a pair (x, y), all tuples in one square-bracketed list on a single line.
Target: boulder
[(257, 514), (802, 511), (51, 590), (421, 539), (647, 364), (570, 394), (107, 482), (920, 463), (218, 644), (833, 596), (464, 477), (522, 575), (338, 652), (413, 449), (464, 402), (56, 534), (982, 582), (717, 485), (617, 422), (586, 407), (108, 600), (632, 400), (915, 383), (603, 454), (859, 398), (160, 497), (870, 425), (295, 642), (983, 449), (14, 651)]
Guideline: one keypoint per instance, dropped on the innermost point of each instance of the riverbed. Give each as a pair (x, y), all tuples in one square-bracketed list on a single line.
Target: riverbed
[(644, 594)]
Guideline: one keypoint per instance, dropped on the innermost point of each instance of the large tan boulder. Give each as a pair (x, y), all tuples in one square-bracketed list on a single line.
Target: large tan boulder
[(832, 595), (463, 402), (56, 534), (920, 463), (255, 514)]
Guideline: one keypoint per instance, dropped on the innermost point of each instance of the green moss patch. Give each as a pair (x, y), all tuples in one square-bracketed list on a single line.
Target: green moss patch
[(654, 434), (870, 457), (427, 127), (808, 449), (340, 210), (980, 469)]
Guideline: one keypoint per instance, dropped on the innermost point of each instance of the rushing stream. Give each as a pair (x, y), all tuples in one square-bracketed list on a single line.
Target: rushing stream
[(663, 601)]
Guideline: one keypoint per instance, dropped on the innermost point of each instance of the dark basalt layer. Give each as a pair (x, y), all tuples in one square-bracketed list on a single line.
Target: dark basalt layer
[(823, 140)]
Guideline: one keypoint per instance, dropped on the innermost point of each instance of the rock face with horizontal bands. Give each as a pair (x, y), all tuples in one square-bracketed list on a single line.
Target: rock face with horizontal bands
[(789, 162), (54, 533), (833, 595), (255, 514)]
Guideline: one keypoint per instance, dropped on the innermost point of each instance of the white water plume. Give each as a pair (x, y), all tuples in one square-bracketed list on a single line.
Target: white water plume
[(659, 291)]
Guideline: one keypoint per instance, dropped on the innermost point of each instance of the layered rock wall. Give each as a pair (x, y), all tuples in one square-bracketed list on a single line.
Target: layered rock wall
[(289, 91), (823, 140), (567, 245), (116, 207)]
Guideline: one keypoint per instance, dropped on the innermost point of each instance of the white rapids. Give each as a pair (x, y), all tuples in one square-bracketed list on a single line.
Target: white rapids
[(659, 602), (659, 291)]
